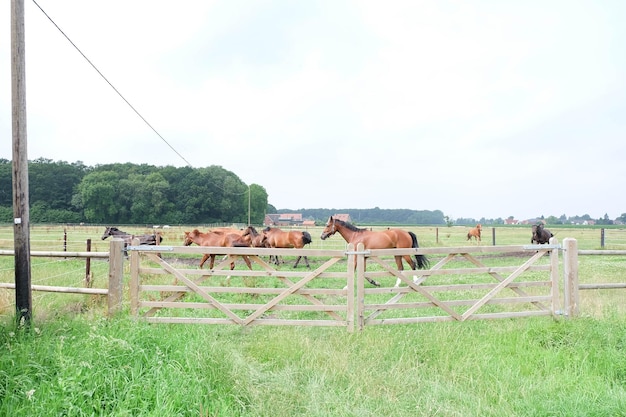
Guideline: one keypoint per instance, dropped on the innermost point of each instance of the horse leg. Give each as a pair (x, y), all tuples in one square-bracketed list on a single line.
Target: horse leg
[(400, 266), (204, 258), (247, 261), (306, 260), (297, 261), (370, 280)]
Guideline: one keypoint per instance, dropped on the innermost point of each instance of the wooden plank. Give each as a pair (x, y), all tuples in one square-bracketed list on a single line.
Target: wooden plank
[(605, 286), (270, 322), (243, 306), (68, 290), (426, 304), (243, 290), (59, 254)]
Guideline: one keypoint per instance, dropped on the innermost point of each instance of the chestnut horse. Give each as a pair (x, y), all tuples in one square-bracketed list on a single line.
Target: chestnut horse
[(384, 239), (277, 238), (217, 238), (475, 232)]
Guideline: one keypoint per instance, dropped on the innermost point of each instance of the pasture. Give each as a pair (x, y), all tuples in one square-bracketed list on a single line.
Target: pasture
[(75, 362)]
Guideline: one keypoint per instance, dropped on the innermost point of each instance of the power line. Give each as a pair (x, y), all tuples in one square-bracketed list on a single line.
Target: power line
[(112, 86)]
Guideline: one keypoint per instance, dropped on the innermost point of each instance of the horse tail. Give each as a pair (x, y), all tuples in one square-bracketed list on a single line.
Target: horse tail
[(422, 261), (306, 238)]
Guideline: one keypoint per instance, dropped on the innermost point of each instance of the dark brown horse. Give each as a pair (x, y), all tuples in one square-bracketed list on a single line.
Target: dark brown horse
[(475, 232), (150, 240), (277, 238), (540, 234), (218, 239), (384, 239), (153, 239)]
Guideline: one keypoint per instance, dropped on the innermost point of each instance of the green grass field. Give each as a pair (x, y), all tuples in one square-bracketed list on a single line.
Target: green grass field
[(75, 362)]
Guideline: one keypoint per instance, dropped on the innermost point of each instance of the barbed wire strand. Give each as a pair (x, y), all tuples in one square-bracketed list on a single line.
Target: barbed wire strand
[(112, 86)]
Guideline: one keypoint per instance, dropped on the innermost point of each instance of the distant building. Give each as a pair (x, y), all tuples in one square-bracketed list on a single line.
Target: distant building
[(283, 219), (343, 217)]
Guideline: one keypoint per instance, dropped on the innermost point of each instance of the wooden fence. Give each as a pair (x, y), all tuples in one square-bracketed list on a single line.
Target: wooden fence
[(462, 284), (116, 264), (168, 290), (572, 287)]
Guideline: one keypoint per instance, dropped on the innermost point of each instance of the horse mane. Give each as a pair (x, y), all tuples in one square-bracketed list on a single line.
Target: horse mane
[(349, 226)]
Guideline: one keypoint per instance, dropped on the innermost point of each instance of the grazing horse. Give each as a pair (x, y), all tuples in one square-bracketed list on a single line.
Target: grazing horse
[(277, 238), (475, 232), (540, 234), (217, 239), (384, 239)]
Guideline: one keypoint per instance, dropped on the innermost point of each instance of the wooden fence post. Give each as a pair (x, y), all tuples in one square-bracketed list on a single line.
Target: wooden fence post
[(116, 272), (350, 287), (360, 286), (134, 279), (570, 267), (554, 277)]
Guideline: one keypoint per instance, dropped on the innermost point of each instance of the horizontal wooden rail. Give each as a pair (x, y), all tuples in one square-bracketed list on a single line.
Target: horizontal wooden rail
[(69, 290), (601, 252), (607, 286), (60, 254)]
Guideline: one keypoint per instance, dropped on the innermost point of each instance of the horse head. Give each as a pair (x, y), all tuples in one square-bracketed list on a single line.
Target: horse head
[(188, 239), (329, 229), (109, 231)]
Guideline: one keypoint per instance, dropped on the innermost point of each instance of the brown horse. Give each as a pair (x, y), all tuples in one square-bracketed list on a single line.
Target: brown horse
[(277, 238), (540, 234), (257, 240), (475, 232), (384, 239), (217, 239)]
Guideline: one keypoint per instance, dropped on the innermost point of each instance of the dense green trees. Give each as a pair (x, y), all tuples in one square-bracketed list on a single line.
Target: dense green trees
[(133, 194), (375, 215)]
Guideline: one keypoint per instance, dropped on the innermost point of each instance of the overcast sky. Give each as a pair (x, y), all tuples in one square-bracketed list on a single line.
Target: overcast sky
[(476, 108)]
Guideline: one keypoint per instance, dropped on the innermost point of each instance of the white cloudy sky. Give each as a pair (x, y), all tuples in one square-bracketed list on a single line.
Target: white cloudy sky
[(476, 108)]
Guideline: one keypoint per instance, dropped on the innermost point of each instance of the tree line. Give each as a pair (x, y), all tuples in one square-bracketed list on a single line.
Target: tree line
[(126, 193), (374, 216)]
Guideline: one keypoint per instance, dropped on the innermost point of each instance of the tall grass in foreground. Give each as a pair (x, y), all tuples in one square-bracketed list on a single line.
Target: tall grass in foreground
[(84, 366)]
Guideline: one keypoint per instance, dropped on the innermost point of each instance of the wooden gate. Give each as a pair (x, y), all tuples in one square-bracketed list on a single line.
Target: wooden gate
[(266, 296), (468, 291), (464, 283)]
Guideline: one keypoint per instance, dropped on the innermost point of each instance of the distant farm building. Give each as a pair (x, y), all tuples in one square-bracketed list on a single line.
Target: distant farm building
[(283, 219), (343, 217)]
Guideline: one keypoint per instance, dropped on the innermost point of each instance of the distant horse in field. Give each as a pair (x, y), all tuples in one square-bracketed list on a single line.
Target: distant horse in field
[(277, 238), (540, 234), (150, 240), (475, 232), (218, 239), (153, 239), (384, 239)]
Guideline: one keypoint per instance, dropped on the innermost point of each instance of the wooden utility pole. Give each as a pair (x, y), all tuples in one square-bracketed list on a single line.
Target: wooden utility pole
[(21, 215)]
